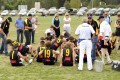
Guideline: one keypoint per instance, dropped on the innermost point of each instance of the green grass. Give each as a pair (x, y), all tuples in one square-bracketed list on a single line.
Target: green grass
[(38, 71)]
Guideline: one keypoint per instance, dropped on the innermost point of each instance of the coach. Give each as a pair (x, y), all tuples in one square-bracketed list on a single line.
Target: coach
[(85, 43), (28, 29), (94, 24)]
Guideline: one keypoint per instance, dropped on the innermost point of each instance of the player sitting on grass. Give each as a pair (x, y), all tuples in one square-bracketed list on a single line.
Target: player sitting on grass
[(49, 55), (16, 56), (21, 48), (67, 57)]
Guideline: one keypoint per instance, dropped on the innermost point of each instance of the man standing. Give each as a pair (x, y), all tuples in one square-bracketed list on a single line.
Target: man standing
[(107, 17), (105, 32), (85, 30), (4, 30), (94, 24), (19, 23), (28, 29), (1, 20)]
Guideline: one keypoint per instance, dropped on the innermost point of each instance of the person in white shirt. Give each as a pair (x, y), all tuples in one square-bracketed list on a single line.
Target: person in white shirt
[(85, 44), (105, 32), (67, 21), (50, 30), (1, 20)]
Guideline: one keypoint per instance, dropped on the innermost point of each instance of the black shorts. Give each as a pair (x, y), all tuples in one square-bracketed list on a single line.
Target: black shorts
[(24, 50), (52, 61), (19, 64), (67, 63), (39, 58), (117, 31), (104, 46)]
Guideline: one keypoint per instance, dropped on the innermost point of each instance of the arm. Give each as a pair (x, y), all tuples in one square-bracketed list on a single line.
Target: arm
[(61, 56), (1, 31), (23, 57), (73, 57), (77, 31), (56, 52)]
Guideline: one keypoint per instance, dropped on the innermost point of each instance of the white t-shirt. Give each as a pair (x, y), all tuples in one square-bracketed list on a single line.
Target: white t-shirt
[(84, 30), (105, 28), (67, 20), (1, 20), (33, 20)]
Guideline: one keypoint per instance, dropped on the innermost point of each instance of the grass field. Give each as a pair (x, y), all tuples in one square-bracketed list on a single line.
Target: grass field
[(37, 71)]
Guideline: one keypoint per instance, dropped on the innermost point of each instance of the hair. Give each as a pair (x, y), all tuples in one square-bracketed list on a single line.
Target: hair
[(61, 36), (68, 45), (9, 41), (113, 34), (42, 43), (42, 38), (51, 26), (48, 44), (71, 38)]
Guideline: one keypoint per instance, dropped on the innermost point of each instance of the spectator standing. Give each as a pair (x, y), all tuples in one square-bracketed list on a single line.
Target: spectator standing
[(67, 21), (107, 17), (19, 23), (56, 25)]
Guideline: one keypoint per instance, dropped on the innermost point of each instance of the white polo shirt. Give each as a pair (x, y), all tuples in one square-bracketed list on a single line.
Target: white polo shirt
[(1, 20), (105, 28), (84, 30)]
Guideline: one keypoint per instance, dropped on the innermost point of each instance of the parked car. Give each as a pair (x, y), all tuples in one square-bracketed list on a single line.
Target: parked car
[(81, 13), (100, 11), (31, 12), (41, 10), (4, 13), (72, 11), (113, 12), (13, 13), (83, 8), (52, 11), (62, 10), (107, 9), (23, 12), (92, 11)]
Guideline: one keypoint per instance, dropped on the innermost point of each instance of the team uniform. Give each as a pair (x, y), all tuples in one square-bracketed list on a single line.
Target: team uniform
[(48, 58), (40, 56), (22, 49), (67, 59), (15, 59), (56, 43)]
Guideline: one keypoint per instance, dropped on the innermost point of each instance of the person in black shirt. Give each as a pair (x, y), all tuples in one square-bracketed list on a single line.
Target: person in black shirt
[(28, 29), (4, 30)]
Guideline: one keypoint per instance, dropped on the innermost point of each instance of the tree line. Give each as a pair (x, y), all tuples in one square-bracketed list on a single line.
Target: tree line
[(13, 4)]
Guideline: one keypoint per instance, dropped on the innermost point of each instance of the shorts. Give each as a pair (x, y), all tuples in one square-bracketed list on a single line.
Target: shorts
[(39, 58), (104, 46), (19, 64), (67, 63), (24, 50), (52, 61), (117, 31)]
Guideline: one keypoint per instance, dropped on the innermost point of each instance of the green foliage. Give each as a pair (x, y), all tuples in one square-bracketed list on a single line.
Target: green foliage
[(67, 4), (75, 3)]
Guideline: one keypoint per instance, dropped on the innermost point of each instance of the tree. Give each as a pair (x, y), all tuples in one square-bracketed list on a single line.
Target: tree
[(75, 3), (67, 4)]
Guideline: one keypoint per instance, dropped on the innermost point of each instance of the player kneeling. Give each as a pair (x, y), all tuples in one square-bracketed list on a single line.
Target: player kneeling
[(16, 56), (49, 55), (67, 56)]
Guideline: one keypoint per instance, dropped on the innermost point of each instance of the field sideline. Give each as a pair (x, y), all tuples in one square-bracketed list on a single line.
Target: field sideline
[(37, 71)]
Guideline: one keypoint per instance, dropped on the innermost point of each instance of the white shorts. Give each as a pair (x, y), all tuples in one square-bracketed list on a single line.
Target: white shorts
[(67, 27)]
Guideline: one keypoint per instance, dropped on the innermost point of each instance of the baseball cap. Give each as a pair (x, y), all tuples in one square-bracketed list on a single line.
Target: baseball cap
[(29, 14), (100, 17), (10, 19)]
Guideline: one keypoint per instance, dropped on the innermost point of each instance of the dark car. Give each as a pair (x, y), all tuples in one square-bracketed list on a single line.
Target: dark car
[(72, 11)]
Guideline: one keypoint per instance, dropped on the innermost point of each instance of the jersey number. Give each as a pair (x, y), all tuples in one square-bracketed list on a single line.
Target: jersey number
[(67, 52), (58, 41), (47, 54), (12, 54)]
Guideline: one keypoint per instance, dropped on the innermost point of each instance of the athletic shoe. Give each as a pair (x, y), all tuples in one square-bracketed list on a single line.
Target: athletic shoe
[(30, 61)]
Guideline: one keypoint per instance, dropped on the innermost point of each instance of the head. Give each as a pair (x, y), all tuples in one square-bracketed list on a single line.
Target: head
[(113, 34), (20, 16), (101, 19), (90, 18), (9, 41), (9, 19), (118, 15), (51, 27), (68, 45), (105, 14), (48, 44), (85, 20), (67, 15), (42, 43), (56, 16), (29, 16), (42, 38), (71, 39)]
